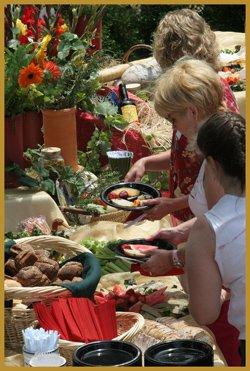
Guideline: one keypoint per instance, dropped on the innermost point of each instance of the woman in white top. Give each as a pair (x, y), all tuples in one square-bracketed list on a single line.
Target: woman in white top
[(215, 251), (224, 221)]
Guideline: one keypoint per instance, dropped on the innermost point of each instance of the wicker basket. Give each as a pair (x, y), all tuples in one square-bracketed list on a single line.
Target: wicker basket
[(17, 319), (75, 216), (45, 293), (125, 58), (128, 325)]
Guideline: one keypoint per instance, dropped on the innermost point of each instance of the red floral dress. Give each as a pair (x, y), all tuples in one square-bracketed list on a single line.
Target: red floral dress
[(185, 164)]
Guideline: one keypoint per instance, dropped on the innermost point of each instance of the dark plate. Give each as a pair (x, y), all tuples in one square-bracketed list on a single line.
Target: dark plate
[(179, 353), (116, 247), (107, 353), (143, 188)]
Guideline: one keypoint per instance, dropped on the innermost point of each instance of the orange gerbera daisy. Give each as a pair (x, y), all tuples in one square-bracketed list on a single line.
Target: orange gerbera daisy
[(53, 69), (32, 74)]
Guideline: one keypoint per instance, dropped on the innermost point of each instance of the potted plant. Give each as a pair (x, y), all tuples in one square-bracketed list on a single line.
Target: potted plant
[(47, 68)]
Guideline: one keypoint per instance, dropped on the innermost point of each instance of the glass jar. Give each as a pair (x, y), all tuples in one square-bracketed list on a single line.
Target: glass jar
[(52, 157)]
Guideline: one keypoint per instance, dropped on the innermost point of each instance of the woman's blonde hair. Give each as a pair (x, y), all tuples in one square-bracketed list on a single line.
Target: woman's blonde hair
[(184, 32), (189, 82)]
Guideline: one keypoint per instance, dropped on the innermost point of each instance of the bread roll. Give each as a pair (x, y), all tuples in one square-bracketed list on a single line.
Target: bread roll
[(70, 270), (32, 276)]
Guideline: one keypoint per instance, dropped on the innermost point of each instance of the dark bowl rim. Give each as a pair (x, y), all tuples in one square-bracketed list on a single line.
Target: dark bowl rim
[(208, 347), (129, 185), (135, 347)]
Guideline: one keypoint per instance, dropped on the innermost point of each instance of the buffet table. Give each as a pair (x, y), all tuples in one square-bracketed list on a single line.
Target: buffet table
[(21, 204), (149, 334)]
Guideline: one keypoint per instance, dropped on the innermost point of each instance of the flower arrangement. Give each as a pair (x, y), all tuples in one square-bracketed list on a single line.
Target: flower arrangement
[(47, 65)]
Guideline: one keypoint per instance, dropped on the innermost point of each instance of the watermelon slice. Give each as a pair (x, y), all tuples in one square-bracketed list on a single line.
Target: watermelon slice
[(137, 250)]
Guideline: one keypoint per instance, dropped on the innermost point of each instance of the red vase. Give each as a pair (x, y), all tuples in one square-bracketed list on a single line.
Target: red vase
[(13, 138), (32, 129)]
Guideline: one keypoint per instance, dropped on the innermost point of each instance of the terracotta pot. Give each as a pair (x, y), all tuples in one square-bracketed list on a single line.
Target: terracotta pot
[(13, 138), (59, 128), (32, 129)]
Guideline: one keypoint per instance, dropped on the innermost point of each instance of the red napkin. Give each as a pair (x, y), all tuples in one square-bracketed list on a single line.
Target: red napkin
[(45, 317), (107, 319), (173, 272), (79, 319), (73, 329), (57, 314)]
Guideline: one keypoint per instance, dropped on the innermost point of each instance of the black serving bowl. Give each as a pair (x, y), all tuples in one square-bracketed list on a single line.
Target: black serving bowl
[(107, 353), (162, 244), (142, 187), (179, 353)]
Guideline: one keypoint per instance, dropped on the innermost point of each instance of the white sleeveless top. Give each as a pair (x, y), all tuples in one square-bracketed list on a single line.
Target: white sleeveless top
[(197, 200), (227, 218)]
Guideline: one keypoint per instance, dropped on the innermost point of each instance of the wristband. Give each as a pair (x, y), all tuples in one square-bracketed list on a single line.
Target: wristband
[(176, 262)]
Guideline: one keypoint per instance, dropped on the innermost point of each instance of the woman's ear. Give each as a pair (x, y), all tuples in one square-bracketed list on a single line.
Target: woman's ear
[(193, 112)]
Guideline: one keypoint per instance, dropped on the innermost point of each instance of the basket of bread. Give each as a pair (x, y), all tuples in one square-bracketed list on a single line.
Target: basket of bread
[(33, 273)]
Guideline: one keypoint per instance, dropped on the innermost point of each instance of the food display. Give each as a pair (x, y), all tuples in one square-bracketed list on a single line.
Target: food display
[(129, 195), (31, 267), (130, 296), (137, 250)]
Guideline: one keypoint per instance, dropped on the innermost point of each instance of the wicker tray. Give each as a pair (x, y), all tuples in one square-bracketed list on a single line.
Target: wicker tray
[(78, 216), (39, 293), (17, 319)]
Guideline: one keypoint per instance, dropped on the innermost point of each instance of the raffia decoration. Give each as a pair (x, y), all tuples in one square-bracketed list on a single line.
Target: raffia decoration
[(156, 130)]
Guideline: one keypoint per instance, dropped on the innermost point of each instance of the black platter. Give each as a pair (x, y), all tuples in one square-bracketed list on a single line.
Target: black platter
[(142, 187)]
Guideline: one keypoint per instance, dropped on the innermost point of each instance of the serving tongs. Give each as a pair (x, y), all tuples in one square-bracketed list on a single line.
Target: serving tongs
[(132, 260)]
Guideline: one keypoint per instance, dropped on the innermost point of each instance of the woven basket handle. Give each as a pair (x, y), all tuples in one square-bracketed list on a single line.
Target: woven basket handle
[(42, 241), (133, 48)]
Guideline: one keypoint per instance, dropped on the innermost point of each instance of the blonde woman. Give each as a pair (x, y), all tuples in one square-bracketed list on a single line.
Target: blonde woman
[(186, 94), (180, 33)]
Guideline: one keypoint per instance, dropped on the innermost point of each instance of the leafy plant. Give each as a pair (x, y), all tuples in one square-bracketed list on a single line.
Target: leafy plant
[(98, 145), (105, 179)]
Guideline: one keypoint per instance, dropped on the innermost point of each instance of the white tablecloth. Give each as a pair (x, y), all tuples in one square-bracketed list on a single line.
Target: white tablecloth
[(21, 204)]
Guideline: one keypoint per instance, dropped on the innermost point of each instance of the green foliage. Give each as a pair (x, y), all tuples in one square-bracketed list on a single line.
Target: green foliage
[(98, 145), (105, 179), (15, 98), (158, 180)]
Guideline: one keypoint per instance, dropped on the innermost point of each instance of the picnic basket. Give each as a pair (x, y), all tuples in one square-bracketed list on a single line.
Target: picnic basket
[(41, 293)]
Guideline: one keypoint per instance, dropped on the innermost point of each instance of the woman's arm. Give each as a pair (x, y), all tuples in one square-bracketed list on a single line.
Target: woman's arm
[(203, 276), (175, 235), (155, 163), (162, 206)]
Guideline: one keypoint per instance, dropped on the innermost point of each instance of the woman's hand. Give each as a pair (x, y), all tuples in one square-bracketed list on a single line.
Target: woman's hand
[(173, 235), (160, 262), (136, 172), (161, 207)]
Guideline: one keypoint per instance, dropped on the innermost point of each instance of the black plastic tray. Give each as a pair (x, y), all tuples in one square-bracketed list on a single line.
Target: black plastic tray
[(142, 187), (116, 248)]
